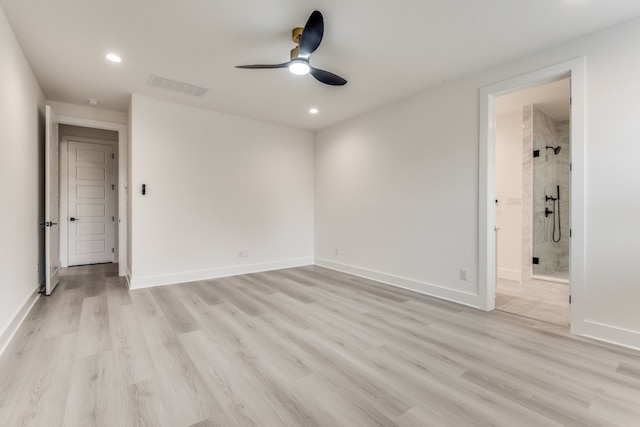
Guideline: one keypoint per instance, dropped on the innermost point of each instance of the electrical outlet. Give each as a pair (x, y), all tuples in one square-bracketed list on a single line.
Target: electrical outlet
[(243, 254), (464, 273)]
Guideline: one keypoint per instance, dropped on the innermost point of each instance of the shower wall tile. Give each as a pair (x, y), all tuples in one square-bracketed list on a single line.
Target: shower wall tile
[(550, 170), (527, 189)]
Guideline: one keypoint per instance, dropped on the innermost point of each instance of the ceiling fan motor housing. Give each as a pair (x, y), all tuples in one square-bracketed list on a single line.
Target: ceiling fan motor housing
[(296, 34)]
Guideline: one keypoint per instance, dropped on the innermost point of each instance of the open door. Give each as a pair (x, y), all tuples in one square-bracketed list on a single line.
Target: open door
[(51, 202)]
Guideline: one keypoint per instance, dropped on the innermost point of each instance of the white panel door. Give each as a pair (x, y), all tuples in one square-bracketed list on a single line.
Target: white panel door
[(51, 202), (90, 203)]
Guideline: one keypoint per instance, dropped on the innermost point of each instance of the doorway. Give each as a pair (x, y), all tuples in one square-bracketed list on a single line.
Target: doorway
[(487, 258), (533, 200), (89, 195)]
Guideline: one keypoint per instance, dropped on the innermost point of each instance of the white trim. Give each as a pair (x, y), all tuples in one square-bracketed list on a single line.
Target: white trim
[(551, 279), (611, 334), (459, 297), (63, 226), (122, 178), (191, 276), (18, 318), (505, 273), (486, 217), (127, 277)]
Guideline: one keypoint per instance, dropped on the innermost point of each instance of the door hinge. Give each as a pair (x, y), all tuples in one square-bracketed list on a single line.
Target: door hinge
[(113, 250), (113, 156), (570, 233), (113, 218), (570, 167), (569, 299), (113, 187)]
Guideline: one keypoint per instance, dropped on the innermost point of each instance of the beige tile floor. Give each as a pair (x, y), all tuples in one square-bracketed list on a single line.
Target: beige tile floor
[(535, 299)]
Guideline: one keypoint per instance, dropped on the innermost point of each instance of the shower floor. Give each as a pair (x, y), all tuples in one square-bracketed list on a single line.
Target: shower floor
[(536, 299)]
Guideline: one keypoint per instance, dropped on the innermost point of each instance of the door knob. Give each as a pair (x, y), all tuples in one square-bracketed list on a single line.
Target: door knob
[(74, 219)]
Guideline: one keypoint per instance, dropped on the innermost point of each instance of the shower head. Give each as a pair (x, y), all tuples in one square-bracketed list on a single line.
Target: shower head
[(556, 150)]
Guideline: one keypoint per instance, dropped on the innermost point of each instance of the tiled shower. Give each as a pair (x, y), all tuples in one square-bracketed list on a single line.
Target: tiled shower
[(546, 191)]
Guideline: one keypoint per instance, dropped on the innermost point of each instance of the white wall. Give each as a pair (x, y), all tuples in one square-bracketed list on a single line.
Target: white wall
[(21, 182), (612, 202), (508, 193), (129, 194), (81, 131), (397, 189), (216, 185), (87, 112), (397, 194)]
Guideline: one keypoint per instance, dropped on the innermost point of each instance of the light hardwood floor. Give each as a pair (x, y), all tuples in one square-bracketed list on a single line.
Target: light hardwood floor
[(299, 347)]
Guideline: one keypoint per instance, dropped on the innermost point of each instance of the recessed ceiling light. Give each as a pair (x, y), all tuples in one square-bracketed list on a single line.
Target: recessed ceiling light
[(313, 111), (113, 57)]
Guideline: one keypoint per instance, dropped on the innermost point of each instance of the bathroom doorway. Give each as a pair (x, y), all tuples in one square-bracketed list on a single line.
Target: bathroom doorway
[(533, 195)]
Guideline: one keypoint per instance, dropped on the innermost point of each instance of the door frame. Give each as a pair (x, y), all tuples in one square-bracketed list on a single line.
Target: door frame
[(487, 263), (64, 193), (51, 207), (122, 160)]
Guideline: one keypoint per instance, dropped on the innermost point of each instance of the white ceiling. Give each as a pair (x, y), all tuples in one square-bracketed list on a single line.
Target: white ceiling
[(387, 50)]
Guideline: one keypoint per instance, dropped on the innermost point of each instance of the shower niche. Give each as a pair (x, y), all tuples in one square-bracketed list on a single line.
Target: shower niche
[(547, 184)]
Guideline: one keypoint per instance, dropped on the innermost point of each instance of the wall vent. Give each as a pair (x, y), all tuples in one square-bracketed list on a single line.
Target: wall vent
[(177, 86)]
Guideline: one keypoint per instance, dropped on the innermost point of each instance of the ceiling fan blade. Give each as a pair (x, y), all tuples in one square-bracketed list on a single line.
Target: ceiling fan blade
[(327, 77), (312, 34), (263, 66)]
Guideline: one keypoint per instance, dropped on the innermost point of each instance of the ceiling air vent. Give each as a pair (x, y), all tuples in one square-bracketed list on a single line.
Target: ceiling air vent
[(177, 86)]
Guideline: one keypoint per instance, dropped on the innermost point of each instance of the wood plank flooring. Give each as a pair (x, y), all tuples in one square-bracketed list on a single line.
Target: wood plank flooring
[(299, 347)]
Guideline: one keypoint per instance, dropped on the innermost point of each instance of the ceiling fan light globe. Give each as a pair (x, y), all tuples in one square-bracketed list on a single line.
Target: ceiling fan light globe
[(299, 68)]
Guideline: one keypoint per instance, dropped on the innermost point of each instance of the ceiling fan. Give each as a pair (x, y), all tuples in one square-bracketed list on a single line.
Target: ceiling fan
[(308, 39)]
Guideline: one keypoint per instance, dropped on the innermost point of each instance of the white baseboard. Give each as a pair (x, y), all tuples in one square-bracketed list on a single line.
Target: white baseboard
[(611, 334), (12, 327), (453, 295), (191, 276), (504, 273)]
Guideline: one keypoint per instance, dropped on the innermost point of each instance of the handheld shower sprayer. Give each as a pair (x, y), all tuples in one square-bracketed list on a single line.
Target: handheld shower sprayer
[(556, 214)]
